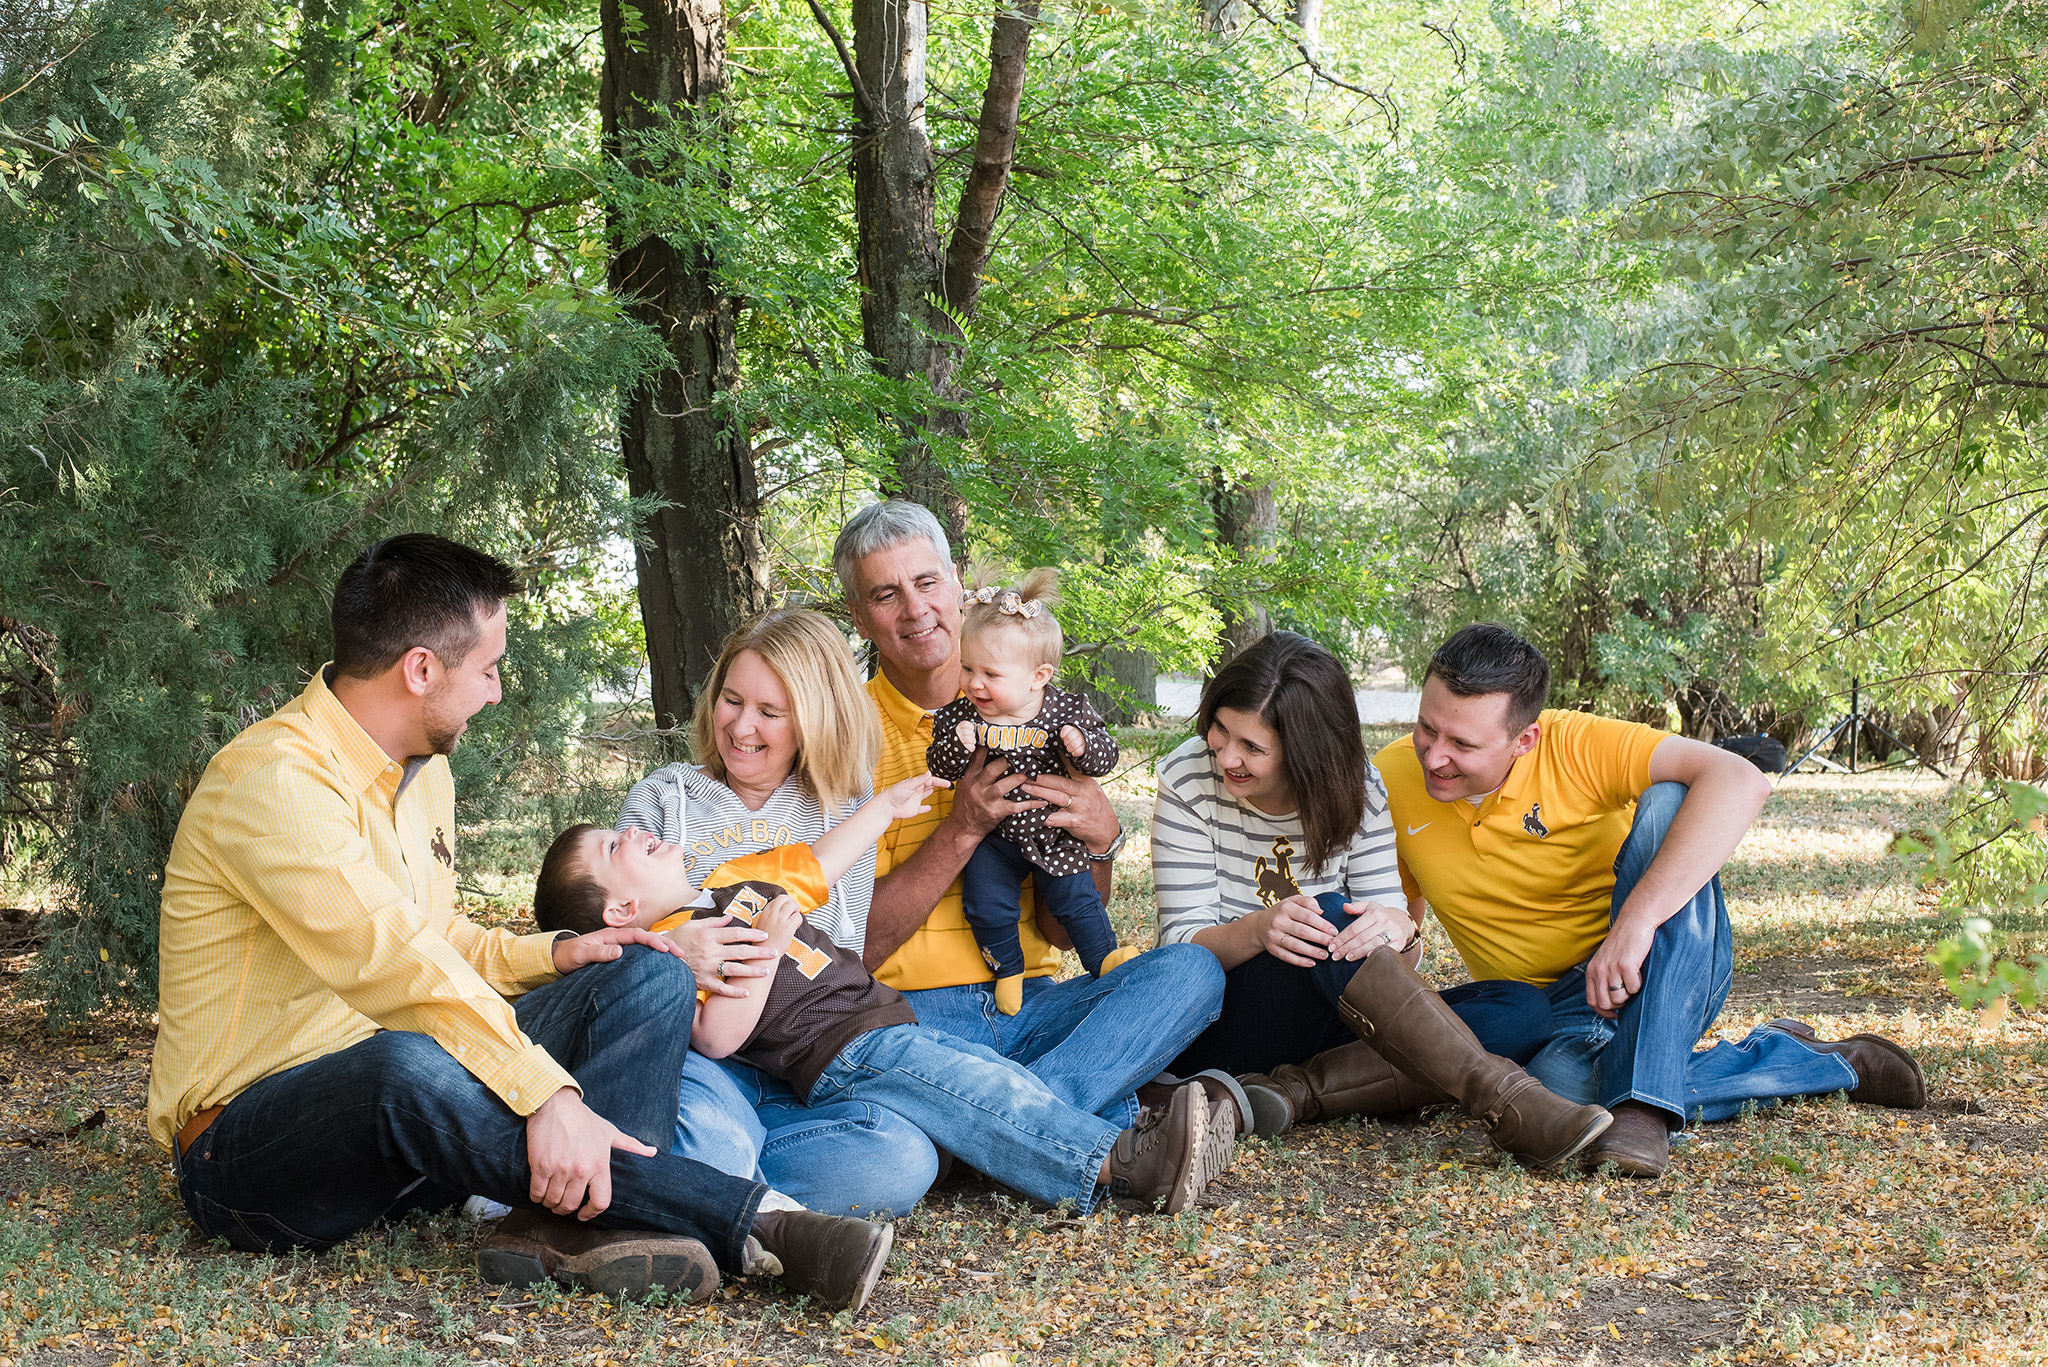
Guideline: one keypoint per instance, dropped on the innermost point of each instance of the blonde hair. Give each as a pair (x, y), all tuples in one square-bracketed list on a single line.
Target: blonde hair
[(1039, 633), (838, 738)]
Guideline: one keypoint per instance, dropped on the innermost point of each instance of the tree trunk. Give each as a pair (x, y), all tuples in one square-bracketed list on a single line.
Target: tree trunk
[(703, 568), (1248, 521), (1308, 17), (918, 293)]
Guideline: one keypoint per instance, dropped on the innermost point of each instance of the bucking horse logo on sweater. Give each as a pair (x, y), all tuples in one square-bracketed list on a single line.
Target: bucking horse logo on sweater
[(1276, 880)]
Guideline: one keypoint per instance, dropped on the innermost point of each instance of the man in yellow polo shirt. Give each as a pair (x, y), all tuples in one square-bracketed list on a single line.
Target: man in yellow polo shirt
[(334, 1044), (1092, 1041), (1582, 855)]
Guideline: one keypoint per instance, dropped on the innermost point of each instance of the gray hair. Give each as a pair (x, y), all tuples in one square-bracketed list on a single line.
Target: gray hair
[(879, 526)]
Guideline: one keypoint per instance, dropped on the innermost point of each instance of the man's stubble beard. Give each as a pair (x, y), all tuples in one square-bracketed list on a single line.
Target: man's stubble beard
[(443, 732)]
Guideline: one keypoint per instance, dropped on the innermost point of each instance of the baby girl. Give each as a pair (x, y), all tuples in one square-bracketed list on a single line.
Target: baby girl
[(1010, 649)]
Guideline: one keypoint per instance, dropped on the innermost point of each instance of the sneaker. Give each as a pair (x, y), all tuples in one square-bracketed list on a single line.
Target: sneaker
[(1160, 1158), (532, 1246), (834, 1259)]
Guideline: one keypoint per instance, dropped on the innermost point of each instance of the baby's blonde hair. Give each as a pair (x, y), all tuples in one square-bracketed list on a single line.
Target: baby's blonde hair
[(1039, 634)]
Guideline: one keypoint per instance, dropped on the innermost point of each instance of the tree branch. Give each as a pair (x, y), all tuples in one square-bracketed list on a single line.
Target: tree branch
[(995, 151), (860, 89)]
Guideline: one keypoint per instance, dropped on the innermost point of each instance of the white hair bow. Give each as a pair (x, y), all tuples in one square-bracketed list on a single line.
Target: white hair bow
[(1006, 601)]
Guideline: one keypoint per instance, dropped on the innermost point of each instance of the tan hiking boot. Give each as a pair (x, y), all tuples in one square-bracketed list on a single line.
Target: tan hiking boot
[(1351, 1079), (1160, 1159), (532, 1246), (1389, 1006), (834, 1259)]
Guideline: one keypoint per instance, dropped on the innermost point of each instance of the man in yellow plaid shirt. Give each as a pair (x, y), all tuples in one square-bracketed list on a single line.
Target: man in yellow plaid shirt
[(335, 1044)]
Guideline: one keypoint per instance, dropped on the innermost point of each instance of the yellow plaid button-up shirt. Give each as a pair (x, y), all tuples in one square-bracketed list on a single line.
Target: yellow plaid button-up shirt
[(309, 901)]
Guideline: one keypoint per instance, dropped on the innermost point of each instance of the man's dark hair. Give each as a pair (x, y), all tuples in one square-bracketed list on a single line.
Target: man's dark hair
[(1488, 658), (566, 896), (414, 590), (1304, 693)]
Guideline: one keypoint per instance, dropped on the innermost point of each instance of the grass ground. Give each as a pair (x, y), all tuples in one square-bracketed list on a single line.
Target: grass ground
[(1822, 1232)]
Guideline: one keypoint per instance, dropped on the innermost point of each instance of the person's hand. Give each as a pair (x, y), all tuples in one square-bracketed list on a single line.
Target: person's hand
[(910, 797), (602, 946), (719, 949), (982, 797), (569, 1155), (1377, 924), (964, 732), (780, 919), (1081, 807), (1071, 737), (1295, 932), (1615, 972)]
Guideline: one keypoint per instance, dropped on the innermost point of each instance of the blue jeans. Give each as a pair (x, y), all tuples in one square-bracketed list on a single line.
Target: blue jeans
[(990, 1113), (989, 888), (846, 1158), (393, 1124), (1277, 1013), (1646, 1054), (1091, 1041)]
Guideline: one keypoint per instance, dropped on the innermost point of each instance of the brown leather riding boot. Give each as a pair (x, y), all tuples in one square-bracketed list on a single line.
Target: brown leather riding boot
[(1351, 1079), (1390, 1007)]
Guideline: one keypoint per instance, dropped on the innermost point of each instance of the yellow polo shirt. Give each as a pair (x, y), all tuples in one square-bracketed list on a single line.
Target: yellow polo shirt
[(941, 952), (1524, 881), (308, 902)]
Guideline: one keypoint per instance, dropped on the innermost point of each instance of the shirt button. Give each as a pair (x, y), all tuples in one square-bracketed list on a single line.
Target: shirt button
[(513, 1096)]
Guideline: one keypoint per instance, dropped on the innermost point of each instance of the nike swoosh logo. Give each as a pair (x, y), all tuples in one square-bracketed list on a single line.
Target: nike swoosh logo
[(1424, 826)]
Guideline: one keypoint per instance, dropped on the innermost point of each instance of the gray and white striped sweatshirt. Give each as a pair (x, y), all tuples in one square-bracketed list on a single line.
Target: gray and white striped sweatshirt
[(680, 805), (1215, 859)]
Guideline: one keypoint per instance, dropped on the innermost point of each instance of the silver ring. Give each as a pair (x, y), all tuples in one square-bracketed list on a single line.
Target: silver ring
[(1617, 987), (1385, 938)]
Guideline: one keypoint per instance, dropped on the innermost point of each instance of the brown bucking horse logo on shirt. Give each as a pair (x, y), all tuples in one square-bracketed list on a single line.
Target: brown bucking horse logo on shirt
[(441, 850), (1276, 880)]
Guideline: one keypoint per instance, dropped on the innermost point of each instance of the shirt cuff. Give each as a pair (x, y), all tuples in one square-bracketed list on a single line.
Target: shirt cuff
[(529, 1078), (533, 958)]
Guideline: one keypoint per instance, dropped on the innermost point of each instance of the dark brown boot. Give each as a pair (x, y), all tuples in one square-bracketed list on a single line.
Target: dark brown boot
[(834, 1259), (534, 1246), (1161, 1158), (1886, 1075), (1638, 1144), (1390, 1007), (1351, 1079)]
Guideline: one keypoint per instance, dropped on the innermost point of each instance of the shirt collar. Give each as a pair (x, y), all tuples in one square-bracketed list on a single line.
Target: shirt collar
[(897, 710), (362, 760)]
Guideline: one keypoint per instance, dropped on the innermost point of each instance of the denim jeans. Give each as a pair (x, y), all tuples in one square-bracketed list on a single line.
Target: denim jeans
[(1091, 1041), (308, 1156), (1277, 1013), (846, 1158), (990, 1113), (1646, 1054), (989, 897)]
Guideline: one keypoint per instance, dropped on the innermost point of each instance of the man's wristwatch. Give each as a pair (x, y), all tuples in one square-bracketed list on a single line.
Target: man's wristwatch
[(1115, 846)]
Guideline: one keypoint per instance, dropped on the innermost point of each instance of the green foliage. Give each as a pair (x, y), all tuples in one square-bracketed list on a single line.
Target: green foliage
[(231, 354), (1991, 856)]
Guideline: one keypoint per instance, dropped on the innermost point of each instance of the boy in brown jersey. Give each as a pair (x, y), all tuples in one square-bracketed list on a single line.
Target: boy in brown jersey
[(825, 1026)]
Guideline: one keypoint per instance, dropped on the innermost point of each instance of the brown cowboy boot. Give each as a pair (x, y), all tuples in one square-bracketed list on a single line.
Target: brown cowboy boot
[(535, 1245), (1351, 1079), (1390, 1007)]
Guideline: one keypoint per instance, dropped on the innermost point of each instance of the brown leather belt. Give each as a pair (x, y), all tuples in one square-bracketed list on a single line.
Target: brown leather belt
[(196, 1126)]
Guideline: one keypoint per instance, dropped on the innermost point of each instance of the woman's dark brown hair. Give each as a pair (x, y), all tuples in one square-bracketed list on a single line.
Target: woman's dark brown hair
[(1304, 693)]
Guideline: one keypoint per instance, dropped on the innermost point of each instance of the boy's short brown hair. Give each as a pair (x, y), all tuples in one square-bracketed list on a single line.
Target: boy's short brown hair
[(567, 896)]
